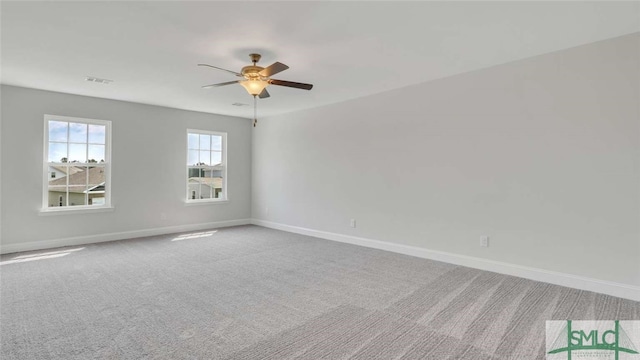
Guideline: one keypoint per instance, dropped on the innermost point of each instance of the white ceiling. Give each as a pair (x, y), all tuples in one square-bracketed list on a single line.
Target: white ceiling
[(346, 49)]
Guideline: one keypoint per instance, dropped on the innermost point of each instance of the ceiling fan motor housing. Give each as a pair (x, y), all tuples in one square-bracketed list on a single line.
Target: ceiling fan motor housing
[(251, 72)]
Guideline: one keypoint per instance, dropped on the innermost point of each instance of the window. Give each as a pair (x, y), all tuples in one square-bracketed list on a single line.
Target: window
[(77, 163), (206, 166)]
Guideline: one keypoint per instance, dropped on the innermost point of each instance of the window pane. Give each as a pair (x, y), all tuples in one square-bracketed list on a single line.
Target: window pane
[(211, 184), (96, 185), (76, 198), (56, 172), (96, 177), (205, 179), (194, 189), (77, 132), (97, 200), (217, 187), (216, 157), (205, 142), (77, 185), (205, 191), (58, 130), (58, 187), (97, 134), (205, 158), (77, 152), (96, 153), (193, 141), (193, 157), (57, 152), (216, 142), (57, 196)]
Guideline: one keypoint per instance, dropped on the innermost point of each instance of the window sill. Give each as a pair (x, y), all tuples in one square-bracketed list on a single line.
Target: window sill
[(205, 202), (68, 211)]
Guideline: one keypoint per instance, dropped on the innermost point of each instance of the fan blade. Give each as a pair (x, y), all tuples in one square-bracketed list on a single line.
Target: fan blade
[(292, 84), (272, 69), (215, 67), (264, 94), (221, 84)]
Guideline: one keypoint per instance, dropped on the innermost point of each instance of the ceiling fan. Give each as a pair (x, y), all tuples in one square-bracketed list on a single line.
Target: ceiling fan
[(256, 78)]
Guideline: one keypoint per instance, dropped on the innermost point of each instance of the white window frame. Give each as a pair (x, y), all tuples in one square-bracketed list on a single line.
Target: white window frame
[(225, 193), (107, 168)]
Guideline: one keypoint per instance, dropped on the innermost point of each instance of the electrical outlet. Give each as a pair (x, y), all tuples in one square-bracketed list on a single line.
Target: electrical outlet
[(484, 241), (353, 223)]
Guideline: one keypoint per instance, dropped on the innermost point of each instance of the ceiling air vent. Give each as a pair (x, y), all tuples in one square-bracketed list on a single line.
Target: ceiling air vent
[(98, 80), (239, 104)]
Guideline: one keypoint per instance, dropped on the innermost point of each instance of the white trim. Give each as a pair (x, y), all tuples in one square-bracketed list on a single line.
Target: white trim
[(568, 280), (90, 239), (74, 210), (205, 202)]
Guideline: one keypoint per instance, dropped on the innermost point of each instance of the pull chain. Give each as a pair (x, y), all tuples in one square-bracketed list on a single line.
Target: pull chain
[(255, 110)]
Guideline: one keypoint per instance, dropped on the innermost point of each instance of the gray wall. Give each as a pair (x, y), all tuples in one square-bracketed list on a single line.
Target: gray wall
[(148, 171), (542, 155)]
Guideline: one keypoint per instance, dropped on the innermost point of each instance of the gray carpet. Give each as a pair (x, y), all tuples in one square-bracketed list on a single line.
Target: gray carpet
[(254, 293)]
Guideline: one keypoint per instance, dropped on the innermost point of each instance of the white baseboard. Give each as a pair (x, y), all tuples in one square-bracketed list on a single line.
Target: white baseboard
[(82, 240), (573, 281)]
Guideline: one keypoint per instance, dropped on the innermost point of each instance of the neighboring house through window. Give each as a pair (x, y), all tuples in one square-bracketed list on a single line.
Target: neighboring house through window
[(77, 163), (206, 166)]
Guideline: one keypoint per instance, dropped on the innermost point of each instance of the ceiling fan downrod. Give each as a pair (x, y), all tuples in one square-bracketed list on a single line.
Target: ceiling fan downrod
[(255, 58)]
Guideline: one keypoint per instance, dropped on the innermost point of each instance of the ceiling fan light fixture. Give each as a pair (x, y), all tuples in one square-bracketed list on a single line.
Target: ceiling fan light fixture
[(256, 78), (254, 87)]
